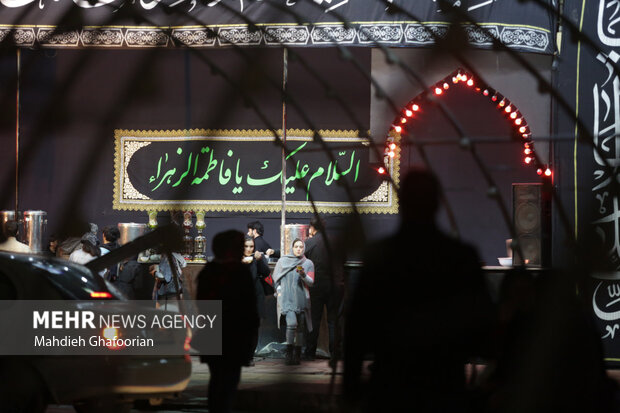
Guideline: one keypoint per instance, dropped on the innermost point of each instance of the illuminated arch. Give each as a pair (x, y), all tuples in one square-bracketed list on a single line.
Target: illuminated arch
[(508, 109)]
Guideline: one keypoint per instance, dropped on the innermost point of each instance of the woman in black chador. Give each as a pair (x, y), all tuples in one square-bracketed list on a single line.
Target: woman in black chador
[(259, 269)]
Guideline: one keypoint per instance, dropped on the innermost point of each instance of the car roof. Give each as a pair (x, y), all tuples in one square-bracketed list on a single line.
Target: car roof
[(39, 278)]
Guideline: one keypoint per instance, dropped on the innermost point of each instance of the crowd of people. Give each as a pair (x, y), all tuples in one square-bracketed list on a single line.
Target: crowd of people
[(432, 316), (81, 244), (302, 281)]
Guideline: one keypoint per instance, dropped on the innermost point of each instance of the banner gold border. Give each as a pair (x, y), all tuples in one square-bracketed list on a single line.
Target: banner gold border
[(383, 201)]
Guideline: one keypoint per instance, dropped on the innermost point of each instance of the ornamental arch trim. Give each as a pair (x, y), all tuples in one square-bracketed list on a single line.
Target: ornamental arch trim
[(408, 114)]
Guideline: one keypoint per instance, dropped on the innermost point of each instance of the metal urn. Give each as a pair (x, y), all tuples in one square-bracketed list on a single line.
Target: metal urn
[(130, 231), (291, 233), (6, 216), (188, 241), (35, 223), (200, 242)]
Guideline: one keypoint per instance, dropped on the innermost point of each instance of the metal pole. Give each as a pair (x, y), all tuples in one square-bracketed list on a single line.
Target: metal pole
[(284, 83), (17, 137)]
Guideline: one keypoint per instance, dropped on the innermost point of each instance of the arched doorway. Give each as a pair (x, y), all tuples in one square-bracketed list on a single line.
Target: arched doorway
[(443, 123)]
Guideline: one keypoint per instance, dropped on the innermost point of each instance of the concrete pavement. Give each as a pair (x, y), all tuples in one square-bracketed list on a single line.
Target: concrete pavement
[(268, 386)]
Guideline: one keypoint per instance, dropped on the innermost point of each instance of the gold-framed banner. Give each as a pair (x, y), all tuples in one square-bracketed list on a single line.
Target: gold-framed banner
[(241, 171)]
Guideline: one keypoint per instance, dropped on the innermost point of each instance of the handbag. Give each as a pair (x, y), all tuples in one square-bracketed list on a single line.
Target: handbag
[(267, 284)]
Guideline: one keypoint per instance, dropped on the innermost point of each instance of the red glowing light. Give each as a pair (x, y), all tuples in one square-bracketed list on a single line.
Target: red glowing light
[(408, 113), (522, 129), (392, 146), (381, 170), (539, 171), (103, 294), (485, 92), (527, 151), (455, 79), (502, 103), (518, 121), (446, 86), (508, 109), (403, 120), (464, 78), (398, 129), (415, 107), (513, 115), (438, 91), (470, 82), (494, 98), (528, 159), (547, 172)]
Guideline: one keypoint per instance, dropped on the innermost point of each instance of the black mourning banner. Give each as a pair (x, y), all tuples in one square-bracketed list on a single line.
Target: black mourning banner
[(604, 292), (587, 160), (594, 150), (524, 26), (242, 171)]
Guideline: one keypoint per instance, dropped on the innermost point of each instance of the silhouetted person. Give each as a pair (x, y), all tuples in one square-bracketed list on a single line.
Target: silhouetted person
[(550, 357), (52, 247), (111, 235), (228, 279), (256, 231), (418, 309), (327, 290), (134, 280), (70, 237), (12, 244)]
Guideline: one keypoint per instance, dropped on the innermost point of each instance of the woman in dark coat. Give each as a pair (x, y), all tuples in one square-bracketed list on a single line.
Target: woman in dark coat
[(255, 261)]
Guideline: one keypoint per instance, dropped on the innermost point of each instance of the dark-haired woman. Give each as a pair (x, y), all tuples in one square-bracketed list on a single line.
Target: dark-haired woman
[(292, 276), (259, 270)]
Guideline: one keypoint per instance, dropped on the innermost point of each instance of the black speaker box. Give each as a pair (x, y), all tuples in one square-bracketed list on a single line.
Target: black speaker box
[(531, 214)]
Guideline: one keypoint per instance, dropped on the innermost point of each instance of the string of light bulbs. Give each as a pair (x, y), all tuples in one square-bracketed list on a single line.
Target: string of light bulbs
[(502, 104)]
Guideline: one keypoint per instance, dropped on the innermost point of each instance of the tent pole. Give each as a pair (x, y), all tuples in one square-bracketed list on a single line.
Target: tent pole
[(17, 135), (284, 118)]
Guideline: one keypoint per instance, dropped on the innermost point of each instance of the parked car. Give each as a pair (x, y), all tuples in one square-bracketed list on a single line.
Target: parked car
[(91, 383)]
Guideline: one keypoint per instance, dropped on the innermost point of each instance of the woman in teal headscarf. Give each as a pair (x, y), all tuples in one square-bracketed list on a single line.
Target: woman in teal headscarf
[(292, 277)]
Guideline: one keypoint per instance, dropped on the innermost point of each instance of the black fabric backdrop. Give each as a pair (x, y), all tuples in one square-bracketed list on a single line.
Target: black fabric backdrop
[(73, 101), (520, 25), (8, 70)]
